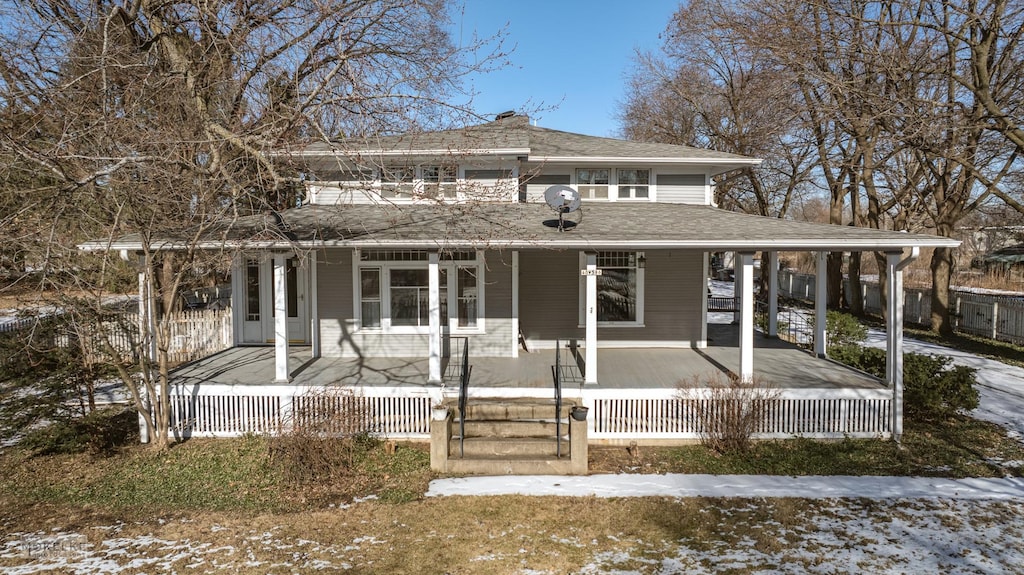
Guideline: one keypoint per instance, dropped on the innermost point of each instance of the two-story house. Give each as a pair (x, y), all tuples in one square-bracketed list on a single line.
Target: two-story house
[(414, 257)]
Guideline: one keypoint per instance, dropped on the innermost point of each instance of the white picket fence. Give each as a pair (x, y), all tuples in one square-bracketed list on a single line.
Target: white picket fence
[(995, 317), (633, 414)]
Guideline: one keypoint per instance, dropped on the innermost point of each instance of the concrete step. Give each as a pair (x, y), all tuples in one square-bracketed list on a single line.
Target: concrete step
[(482, 447), (504, 409), (510, 466), (504, 428)]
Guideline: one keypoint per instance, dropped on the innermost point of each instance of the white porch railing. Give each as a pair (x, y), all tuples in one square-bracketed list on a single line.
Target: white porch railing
[(194, 334), (634, 414), (817, 413), (233, 410)]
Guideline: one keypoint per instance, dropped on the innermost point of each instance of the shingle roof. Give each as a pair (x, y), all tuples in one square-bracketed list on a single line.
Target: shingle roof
[(525, 226), (516, 133)]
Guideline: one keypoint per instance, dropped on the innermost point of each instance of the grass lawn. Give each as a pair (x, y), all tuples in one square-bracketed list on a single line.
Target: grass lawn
[(228, 505), (239, 475)]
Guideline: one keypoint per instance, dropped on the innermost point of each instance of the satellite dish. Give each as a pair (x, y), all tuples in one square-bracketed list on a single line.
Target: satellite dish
[(563, 200)]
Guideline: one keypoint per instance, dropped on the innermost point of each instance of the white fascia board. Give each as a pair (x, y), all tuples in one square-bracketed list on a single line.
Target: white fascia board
[(832, 244), (712, 245), (731, 163), (513, 152)]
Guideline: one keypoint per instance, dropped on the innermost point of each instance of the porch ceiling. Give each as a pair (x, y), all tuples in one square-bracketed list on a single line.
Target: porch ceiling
[(615, 225)]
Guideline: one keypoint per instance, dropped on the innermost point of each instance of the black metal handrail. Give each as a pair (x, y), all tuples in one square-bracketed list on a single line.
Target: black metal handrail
[(463, 395), (558, 398)]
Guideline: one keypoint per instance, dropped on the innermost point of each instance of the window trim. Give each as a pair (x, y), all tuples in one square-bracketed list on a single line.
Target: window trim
[(450, 266), (640, 289), (632, 193)]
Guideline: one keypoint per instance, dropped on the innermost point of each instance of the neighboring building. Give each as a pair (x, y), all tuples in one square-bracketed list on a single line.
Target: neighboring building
[(409, 249)]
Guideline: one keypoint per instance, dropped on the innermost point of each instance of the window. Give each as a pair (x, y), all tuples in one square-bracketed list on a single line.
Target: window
[(394, 290), (592, 183), (396, 182), (252, 290), (369, 289), (409, 297), (634, 183), (439, 181), (291, 280), (466, 297), (619, 288)]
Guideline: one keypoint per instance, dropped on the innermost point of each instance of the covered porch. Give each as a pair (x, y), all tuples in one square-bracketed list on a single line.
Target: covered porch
[(637, 399)]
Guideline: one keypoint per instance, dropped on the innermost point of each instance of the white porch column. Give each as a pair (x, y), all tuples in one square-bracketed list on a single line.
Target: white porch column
[(281, 373), (590, 377), (820, 304), (895, 262), (434, 311), (515, 303), (737, 284), (773, 293), (745, 263), (314, 307)]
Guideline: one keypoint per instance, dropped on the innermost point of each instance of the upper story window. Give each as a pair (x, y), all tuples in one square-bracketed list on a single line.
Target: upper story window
[(396, 181), (592, 183), (634, 183), (439, 181)]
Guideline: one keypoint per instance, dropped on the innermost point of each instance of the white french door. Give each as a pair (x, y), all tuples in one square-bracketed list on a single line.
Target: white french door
[(257, 301)]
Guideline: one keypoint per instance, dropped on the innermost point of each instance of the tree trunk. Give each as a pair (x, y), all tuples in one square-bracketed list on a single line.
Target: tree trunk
[(834, 273), (856, 289), (942, 270), (883, 283)]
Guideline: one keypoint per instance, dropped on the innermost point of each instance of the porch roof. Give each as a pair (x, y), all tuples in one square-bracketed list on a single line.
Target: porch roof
[(606, 225)]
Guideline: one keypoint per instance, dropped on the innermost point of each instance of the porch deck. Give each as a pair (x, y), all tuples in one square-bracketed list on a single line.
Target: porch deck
[(782, 364)]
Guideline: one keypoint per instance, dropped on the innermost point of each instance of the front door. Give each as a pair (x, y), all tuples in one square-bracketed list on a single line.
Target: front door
[(258, 302)]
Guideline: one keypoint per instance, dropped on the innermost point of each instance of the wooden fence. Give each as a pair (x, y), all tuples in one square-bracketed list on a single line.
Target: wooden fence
[(194, 334), (999, 317)]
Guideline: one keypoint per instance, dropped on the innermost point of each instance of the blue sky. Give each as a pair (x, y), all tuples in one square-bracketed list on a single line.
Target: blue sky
[(570, 54)]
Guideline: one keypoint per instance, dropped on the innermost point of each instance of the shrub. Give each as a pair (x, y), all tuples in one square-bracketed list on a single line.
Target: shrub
[(727, 409), (932, 386), (98, 432), (327, 431), (843, 330)]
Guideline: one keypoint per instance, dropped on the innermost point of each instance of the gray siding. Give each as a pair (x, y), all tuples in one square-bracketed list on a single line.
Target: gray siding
[(674, 284), (682, 188)]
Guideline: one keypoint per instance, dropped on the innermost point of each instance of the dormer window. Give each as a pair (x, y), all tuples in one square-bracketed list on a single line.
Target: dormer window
[(396, 182), (439, 179), (633, 183), (593, 183)]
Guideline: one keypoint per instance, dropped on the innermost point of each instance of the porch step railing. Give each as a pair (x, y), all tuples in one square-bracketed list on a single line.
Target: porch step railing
[(558, 398), (465, 372)]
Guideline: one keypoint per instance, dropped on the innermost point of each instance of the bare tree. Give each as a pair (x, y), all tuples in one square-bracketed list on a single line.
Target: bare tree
[(159, 120)]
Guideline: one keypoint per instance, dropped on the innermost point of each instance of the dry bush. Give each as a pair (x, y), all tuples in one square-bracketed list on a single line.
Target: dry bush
[(327, 430), (727, 409)]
